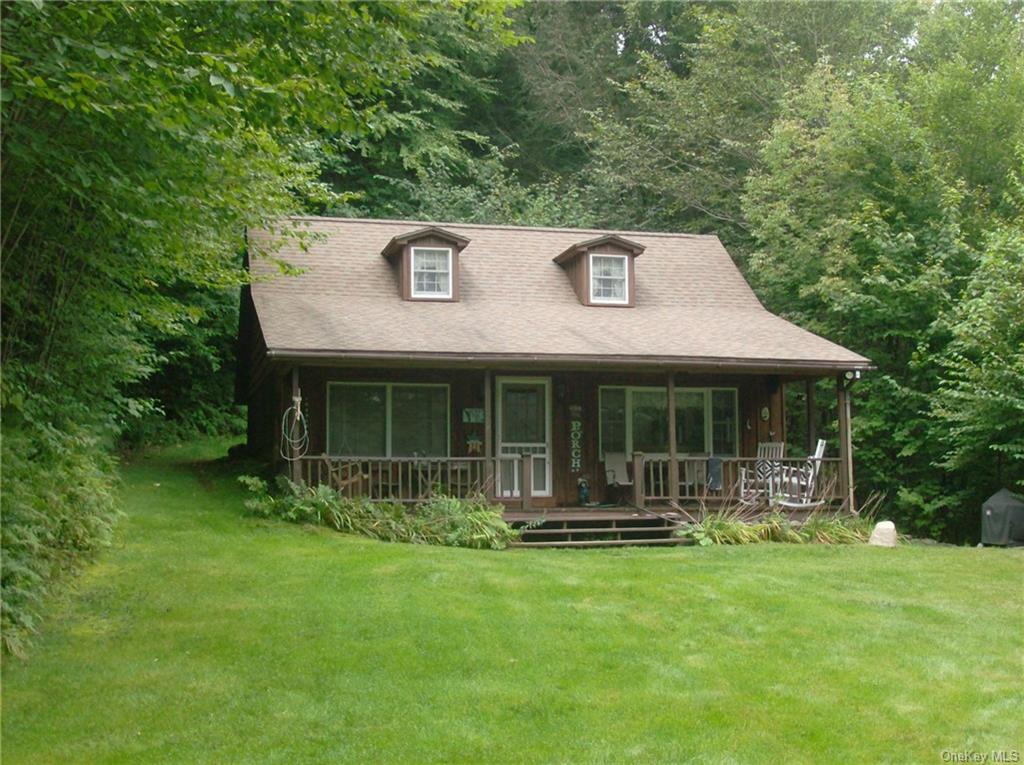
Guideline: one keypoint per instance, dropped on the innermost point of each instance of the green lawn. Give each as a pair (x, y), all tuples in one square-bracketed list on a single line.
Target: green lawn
[(208, 636)]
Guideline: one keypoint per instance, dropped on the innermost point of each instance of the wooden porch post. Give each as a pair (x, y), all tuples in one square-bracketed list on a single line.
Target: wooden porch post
[(845, 443), (673, 460), (525, 481), (490, 471), (296, 464), (812, 416), (638, 479)]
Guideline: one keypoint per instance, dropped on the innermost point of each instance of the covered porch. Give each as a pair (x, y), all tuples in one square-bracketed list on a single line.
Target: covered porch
[(594, 441)]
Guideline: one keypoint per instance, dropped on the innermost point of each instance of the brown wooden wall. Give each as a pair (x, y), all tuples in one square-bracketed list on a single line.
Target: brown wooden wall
[(569, 390)]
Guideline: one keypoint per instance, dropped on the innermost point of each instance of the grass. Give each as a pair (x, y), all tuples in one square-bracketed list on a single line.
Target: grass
[(209, 636)]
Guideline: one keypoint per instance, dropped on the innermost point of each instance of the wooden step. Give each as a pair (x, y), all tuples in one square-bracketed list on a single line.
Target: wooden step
[(608, 542), (600, 530)]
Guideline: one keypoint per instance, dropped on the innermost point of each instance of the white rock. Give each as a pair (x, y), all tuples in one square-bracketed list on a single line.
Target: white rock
[(883, 535)]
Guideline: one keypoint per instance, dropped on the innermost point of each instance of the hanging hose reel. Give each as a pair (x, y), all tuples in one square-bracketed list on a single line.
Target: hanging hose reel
[(294, 431)]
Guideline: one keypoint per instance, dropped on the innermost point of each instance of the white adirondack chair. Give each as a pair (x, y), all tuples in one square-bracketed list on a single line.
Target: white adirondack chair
[(798, 483)]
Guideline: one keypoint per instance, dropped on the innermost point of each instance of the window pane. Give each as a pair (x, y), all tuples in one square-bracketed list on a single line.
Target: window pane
[(432, 282), (608, 277), (613, 267), (522, 413), (650, 421), (613, 420), (419, 421), (690, 422), (430, 274), (356, 420), (431, 260), (723, 422)]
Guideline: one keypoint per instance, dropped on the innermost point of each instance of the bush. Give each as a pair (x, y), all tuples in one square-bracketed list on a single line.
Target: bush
[(438, 520), (59, 507), (734, 526)]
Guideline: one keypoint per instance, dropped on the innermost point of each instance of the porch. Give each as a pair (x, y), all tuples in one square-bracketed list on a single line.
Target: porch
[(683, 439)]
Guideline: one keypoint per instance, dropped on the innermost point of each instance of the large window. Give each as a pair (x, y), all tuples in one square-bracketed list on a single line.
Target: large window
[(609, 279), (636, 420), (431, 272), (387, 420)]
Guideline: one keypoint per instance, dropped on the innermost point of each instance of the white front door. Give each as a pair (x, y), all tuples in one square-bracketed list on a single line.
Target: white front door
[(524, 427)]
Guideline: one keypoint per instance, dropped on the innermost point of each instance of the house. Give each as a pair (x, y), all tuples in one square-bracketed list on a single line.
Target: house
[(525, 362)]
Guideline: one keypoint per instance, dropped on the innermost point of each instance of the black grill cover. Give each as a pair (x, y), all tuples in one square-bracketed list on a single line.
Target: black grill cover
[(1002, 519)]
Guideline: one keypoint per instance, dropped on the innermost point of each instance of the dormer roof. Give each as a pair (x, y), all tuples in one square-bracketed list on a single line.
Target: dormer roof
[(613, 240), (398, 242)]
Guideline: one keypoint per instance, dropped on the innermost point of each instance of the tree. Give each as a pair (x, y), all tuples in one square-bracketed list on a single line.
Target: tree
[(676, 156), (979, 406)]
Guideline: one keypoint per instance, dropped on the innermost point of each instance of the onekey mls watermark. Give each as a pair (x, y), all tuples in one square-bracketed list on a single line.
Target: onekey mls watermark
[(969, 755)]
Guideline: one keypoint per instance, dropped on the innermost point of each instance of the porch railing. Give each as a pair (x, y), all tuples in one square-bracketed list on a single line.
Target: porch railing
[(699, 478), (413, 479)]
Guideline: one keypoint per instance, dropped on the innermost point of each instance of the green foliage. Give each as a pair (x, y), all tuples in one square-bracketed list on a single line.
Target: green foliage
[(193, 378), (490, 193), (438, 520), (59, 505), (979, 406), (675, 155), (737, 527)]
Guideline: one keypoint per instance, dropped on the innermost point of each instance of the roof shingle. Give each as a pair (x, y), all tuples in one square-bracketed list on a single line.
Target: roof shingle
[(692, 303)]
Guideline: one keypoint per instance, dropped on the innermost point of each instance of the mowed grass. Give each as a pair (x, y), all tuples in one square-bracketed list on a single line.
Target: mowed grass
[(205, 635)]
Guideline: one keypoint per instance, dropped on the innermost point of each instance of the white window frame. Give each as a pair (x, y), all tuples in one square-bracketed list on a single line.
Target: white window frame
[(388, 386), (590, 274), (419, 295), (708, 428)]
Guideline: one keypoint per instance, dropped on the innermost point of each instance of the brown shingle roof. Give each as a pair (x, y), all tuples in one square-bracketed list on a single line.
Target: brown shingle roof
[(693, 307)]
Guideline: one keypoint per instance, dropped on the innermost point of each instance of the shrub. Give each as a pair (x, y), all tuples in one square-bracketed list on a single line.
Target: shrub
[(439, 520), (59, 507), (737, 526)]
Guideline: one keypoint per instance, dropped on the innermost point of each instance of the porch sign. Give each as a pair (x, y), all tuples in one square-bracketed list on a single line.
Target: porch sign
[(576, 440)]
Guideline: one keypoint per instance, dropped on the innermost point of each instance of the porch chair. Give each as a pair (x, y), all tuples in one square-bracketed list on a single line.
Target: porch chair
[(616, 472), (759, 482), (798, 483)]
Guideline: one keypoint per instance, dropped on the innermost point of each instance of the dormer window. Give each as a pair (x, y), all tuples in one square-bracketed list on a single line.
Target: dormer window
[(602, 270), (431, 272), (609, 279), (426, 262)]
